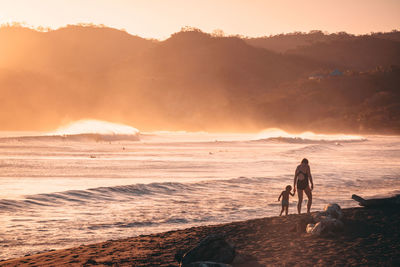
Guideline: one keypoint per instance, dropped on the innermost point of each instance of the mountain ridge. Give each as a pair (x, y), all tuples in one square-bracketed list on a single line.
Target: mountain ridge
[(196, 81)]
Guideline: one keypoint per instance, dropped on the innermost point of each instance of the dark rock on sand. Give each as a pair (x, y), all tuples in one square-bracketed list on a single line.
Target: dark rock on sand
[(212, 248), (377, 202)]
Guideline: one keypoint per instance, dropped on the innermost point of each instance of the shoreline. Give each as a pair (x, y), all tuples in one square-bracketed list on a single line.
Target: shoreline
[(371, 236)]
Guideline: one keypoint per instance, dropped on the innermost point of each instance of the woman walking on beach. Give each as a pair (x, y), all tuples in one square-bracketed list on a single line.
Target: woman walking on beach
[(302, 178)]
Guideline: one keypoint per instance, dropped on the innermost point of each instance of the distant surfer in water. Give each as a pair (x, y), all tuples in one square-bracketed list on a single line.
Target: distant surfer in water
[(302, 179)]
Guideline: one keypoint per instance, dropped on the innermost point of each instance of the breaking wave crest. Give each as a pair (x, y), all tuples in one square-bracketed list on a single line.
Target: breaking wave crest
[(298, 140), (277, 135), (86, 130), (76, 138)]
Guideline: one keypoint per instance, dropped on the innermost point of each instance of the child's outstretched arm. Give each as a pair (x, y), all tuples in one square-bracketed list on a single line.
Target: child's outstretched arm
[(292, 194), (279, 198)]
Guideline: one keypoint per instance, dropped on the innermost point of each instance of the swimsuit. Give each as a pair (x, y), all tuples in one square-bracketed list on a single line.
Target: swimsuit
[(302, 184)]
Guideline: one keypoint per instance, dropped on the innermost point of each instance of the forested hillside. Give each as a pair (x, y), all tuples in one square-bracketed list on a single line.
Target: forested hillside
[(197, 81)]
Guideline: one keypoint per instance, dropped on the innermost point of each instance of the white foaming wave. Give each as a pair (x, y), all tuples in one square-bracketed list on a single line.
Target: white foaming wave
[(278, 134), (83, 130), (95, 127)]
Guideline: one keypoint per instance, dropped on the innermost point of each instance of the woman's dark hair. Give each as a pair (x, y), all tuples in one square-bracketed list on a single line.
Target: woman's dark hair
[(305, 161)]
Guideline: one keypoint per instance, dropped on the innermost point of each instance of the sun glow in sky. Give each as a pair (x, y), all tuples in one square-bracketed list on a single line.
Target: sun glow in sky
[(160, 18)]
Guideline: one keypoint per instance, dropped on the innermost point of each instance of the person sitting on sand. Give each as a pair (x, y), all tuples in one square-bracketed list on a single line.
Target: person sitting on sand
[(285, 199), (302, 177)]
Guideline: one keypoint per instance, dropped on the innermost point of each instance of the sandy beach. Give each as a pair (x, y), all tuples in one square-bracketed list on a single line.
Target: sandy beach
[(371, 237)]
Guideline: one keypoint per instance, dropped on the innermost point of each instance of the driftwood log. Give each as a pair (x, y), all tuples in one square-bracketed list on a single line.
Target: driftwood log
[(377, 202)]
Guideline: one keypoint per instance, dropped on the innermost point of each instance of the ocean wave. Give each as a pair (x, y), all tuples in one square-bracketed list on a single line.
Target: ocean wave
[(76, 138), (174, 192), (84, 131), (299, 140), (313, 148), (123, 193), (96, 127), (278, 135)]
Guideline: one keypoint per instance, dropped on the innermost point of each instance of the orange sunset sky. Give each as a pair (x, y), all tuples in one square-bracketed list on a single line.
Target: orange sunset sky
[(159, 18)]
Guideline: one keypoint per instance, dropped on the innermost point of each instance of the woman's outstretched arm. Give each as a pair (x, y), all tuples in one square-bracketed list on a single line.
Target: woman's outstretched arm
[(295, 180), (310, 177)]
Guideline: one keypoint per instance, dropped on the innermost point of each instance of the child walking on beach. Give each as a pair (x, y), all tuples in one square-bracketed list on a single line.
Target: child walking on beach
[(285, 199)]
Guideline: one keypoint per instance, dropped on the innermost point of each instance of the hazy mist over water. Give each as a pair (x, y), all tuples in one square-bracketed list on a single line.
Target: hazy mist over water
[(96, 188)]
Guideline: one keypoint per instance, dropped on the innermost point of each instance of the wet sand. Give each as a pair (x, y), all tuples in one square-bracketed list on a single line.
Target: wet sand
[(371, 237)]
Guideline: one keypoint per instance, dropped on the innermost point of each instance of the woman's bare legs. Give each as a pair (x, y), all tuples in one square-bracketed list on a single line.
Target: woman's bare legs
[(309, 196), (300, 195)]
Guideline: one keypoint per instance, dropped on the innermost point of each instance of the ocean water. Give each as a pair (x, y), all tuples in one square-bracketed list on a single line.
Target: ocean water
[(59, 191)]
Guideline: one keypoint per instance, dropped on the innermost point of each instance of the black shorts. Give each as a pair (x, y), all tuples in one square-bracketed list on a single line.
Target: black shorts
[(303, 184)]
